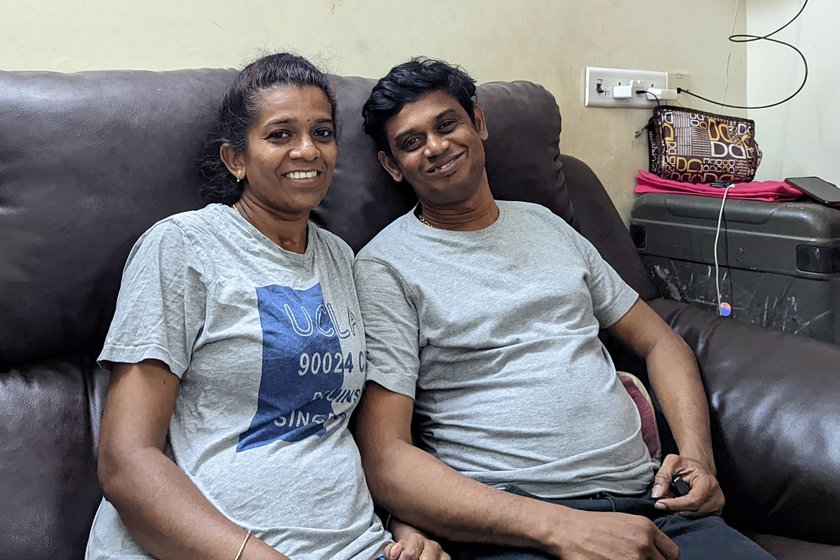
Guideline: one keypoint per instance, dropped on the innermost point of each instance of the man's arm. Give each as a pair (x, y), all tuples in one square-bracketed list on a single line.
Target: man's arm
[(675, 379), (421, 490)]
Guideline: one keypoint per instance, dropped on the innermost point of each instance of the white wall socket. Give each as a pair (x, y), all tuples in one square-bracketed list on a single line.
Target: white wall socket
[(598, 90)]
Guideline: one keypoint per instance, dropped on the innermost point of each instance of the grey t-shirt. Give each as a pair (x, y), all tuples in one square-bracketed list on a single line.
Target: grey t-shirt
[(494, 334), (269, 348)]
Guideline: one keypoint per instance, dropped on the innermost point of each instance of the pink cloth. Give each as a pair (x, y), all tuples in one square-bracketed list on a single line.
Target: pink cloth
[(767, 191), (641, 398)]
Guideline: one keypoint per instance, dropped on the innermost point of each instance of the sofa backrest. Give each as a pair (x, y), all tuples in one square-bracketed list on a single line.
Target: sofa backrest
[(89, 161)]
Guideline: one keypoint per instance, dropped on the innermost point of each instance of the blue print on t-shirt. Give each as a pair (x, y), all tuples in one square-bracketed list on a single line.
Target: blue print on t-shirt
[(302, 366)]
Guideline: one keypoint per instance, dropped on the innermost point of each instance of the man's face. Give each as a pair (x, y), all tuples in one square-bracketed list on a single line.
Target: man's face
[(436, 148)]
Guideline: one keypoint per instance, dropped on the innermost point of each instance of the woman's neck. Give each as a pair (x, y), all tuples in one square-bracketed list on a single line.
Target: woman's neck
[(290, 233)]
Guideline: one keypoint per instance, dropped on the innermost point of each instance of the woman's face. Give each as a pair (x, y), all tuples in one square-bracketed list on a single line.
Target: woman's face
[(291, 151)]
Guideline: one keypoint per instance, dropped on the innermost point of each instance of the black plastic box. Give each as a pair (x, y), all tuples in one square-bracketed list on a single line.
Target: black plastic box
[(779, 262)]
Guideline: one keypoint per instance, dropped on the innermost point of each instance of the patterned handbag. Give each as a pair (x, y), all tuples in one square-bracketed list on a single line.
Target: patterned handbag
[(697, 147)]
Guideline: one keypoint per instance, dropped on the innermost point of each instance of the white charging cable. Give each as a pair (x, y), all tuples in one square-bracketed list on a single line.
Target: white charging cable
[(722, 311)]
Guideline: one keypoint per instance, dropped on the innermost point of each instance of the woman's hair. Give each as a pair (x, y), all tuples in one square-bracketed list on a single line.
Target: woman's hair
[(408, 82), (239, 109)]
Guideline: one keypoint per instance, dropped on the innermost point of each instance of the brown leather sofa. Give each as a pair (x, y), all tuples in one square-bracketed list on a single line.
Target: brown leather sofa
[(88, 161)]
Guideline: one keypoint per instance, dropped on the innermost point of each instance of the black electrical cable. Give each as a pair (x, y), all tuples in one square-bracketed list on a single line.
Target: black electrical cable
[(746, 38)]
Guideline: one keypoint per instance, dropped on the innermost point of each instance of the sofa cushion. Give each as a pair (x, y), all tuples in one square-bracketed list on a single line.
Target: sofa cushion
[(88, 161), (792, 549), (775, 422), (49, 424)]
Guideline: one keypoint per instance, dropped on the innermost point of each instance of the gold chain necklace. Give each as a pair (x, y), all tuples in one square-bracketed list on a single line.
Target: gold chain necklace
[(423, 220)]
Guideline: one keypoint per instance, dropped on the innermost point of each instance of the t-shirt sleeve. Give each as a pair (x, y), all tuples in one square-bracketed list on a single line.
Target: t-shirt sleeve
[(391, 327), (161, 303), (612, 297)]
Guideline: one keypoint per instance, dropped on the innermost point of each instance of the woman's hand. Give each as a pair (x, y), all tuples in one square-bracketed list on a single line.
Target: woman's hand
[(411, 544)]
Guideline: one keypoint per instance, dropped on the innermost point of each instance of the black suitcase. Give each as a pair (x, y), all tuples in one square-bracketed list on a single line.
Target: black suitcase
[(779, 263)]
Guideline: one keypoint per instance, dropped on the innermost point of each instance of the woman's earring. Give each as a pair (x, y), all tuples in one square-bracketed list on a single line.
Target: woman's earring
[(238, 176)]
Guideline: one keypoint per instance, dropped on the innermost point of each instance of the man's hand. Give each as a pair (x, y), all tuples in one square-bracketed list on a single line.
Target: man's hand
[(412, 544), (614, 536), (705, 497)]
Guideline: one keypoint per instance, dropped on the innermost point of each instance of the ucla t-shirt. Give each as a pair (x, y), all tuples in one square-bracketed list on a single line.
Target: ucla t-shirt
[(269, 347)]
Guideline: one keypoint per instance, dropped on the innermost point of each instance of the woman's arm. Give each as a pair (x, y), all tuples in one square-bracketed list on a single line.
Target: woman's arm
[(162, 509)]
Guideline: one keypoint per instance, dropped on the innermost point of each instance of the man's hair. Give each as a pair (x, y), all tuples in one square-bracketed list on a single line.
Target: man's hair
[(239, 109), (408, 82)]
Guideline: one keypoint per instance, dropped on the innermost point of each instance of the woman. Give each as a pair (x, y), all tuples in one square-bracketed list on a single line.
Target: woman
[(237, 349)]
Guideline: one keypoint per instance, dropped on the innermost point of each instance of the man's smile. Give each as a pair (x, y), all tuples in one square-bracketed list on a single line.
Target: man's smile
[(447, 164)]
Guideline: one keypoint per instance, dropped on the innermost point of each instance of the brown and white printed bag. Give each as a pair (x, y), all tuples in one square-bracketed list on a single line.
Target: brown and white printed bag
[(698, 147)]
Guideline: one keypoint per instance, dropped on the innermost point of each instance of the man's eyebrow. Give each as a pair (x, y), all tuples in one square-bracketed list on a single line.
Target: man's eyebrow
[(445, 113)]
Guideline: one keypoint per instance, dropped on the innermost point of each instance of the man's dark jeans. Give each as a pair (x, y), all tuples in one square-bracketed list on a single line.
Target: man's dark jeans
[(705, 538)]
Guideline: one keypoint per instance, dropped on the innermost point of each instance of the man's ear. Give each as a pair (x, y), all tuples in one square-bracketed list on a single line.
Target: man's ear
[(480, 122), (234, 162), (388, 163)]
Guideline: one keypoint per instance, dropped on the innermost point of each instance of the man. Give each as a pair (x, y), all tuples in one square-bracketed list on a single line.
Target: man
[(482, 321)]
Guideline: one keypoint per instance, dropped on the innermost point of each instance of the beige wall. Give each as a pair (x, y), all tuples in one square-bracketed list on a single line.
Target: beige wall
[(801, 137), (547, 41)]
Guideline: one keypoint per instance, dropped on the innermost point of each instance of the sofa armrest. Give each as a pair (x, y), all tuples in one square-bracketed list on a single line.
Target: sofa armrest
[(774, 401)]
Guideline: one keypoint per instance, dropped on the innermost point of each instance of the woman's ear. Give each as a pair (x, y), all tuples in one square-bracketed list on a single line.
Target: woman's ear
[(234, 162), (388, 163)]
